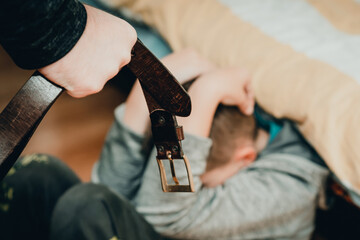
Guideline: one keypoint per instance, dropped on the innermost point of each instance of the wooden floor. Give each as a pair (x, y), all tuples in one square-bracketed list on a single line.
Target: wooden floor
[(74, 129)]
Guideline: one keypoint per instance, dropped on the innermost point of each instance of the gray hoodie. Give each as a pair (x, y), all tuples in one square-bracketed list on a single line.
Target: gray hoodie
[(274, 198)]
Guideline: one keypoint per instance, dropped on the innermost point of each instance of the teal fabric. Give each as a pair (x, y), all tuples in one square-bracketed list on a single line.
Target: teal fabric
[(153, 41), (270, 126)]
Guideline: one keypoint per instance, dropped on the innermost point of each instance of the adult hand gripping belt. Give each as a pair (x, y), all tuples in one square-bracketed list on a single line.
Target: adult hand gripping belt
[(165, 98)]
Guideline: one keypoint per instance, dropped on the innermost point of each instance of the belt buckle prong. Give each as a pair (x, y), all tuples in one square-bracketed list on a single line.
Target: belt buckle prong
[(167, 136), (177, 187)]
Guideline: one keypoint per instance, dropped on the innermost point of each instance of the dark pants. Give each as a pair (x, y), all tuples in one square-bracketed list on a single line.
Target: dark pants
[(90, 211), (28, 196), (41, 198)]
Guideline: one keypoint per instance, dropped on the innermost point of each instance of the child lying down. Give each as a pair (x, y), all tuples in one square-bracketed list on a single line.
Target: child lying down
[(255, 177)]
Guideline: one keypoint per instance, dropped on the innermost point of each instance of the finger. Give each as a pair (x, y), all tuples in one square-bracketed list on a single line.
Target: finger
[(250, 98), (246, 106), (246, 103), (248, 89), (250, 107)]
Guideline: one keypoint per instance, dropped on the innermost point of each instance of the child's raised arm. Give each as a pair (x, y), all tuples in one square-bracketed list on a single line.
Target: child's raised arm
[(123, 157), (184, 65), (227, 86)]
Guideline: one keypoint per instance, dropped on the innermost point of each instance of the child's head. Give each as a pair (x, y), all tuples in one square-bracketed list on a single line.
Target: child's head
[(230, 131), (234, 137), (236, 141)]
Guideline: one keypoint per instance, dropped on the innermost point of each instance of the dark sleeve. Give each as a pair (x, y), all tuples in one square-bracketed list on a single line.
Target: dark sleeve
[(37, 33)]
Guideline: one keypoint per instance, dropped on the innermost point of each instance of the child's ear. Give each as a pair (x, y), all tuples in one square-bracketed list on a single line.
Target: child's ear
[(242, 157), (245, 154)]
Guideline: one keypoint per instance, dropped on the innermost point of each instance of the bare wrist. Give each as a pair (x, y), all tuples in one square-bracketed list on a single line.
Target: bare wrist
[(204, 103)]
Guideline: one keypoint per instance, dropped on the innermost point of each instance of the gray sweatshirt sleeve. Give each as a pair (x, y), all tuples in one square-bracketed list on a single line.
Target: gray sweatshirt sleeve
[(275, 198), (122, 160)]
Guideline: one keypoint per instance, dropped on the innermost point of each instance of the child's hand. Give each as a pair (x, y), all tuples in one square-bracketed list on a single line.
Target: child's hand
[(228, 86), (232, 86)]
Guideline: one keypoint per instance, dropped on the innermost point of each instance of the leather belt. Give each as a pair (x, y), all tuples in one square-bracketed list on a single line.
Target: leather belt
[(165, 98)]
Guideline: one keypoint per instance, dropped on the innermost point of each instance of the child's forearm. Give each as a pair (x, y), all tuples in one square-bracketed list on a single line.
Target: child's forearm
[(184, 65), (227, 86), (204, 104), (136, 115)]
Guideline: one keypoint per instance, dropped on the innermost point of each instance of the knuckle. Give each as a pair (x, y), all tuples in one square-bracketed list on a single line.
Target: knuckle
[(125, 59), (129, 34), (132, 35), (95, 88), (77, 93), (87, 90), (128, 39), (92, 85), (113, 71)]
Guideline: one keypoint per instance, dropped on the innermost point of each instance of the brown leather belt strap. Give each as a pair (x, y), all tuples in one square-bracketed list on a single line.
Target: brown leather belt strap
[(22, 115), (158, 82), (165, 98)]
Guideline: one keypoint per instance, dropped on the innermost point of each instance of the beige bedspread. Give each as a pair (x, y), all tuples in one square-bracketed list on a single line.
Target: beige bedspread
[(304, 56)]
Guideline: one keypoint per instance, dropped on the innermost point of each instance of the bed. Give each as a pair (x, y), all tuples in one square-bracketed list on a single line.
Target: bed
[(304, 56)]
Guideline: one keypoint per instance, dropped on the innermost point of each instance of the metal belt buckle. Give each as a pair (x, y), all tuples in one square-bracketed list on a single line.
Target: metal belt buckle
[(167, 136), (177, 187)]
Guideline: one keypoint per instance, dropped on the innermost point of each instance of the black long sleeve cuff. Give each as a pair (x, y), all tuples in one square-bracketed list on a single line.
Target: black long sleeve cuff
[(37, 33)]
